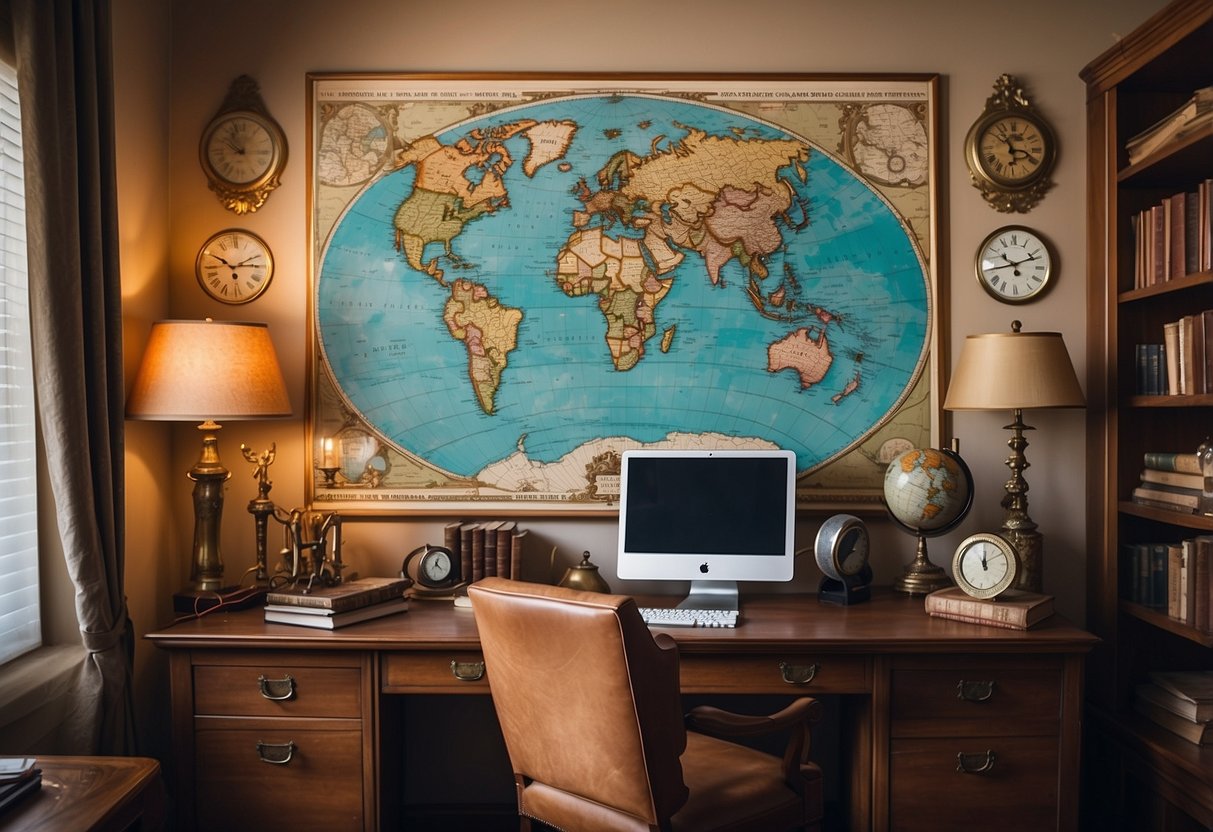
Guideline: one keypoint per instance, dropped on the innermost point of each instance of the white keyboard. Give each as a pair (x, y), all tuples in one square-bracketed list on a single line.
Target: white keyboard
[(675, 617)]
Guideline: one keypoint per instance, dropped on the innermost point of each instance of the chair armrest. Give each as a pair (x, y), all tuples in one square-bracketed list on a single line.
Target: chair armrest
[(724, 724)]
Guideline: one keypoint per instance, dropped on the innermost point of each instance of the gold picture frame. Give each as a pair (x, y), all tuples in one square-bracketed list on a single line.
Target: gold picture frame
[(515, 277)]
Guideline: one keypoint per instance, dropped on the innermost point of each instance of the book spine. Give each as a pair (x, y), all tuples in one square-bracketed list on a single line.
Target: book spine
[(1192, 482), (505, 533), (477, 553), (1183, 463), (465, 551), (1173, 499), (342, 603), (1200, 583), (490, 549), (516, 543), (1010, 616), (450, 540)]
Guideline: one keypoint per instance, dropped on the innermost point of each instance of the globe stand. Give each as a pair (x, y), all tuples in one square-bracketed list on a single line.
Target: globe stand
[(921, 577)]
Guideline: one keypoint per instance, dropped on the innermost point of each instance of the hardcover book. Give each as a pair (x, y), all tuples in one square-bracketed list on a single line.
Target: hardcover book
[(1013, 610), (310, 617), (1198, 732), (1192, 685), (1194, 710), (343, 597)]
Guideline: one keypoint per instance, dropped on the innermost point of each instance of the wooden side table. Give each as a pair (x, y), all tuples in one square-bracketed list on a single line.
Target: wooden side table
[(92, 794)]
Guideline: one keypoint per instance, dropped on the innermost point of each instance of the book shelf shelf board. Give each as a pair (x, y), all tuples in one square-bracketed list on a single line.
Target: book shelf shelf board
[(1164, 622), (1172, 164), (1178, 284), (1197, 522)]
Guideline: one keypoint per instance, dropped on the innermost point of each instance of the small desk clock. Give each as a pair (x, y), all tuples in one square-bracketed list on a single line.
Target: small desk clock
[(436, 571), (842, 549)]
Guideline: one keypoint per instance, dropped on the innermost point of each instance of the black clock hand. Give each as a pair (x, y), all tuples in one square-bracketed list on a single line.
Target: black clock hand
[(221, 260)]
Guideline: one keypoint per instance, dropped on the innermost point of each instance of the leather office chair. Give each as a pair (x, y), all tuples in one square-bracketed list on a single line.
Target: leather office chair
[(588, 701)]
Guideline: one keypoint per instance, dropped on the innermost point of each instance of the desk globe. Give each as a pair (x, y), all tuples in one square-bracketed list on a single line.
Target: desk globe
[(928, 492)]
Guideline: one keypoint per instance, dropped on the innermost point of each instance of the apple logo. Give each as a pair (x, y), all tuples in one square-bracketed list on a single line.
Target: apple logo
[(703, 567)]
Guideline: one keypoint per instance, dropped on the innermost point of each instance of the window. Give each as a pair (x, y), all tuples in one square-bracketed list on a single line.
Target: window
[(20, 619)]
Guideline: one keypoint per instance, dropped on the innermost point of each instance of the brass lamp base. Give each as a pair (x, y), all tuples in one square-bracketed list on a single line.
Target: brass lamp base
[(921, 577)]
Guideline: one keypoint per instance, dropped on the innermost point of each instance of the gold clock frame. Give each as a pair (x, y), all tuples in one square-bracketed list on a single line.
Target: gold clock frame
[(1014, 565), (1045, 285), (244, 101), (1004, 195), (209, 290)]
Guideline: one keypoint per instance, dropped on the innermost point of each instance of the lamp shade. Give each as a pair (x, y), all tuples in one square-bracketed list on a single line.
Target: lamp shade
[(194, 371), (1013, 370)]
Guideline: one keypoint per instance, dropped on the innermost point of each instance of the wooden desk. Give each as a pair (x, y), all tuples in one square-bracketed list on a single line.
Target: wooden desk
[(323, 700), (91, 794)]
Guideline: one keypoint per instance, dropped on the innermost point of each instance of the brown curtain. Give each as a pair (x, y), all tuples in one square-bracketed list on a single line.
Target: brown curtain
[(65, 78)]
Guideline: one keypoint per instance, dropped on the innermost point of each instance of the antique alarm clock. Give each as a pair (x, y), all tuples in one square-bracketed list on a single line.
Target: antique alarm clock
[(434, 570), (842, 548), (985, 565)]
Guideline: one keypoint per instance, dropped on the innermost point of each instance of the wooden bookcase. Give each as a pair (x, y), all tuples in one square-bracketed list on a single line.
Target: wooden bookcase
[(1139, 775)]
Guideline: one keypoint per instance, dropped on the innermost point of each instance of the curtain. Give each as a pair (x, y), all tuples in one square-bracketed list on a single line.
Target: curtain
[(65, 78)]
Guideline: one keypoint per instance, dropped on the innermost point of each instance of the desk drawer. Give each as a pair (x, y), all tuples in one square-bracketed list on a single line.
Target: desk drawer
[(976, 697), (774, 673), (273, 689), (316, 782), (437, 672), (1018, 788)]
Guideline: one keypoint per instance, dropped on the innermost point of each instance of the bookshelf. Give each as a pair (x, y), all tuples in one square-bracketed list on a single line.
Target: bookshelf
[(1166, 782)]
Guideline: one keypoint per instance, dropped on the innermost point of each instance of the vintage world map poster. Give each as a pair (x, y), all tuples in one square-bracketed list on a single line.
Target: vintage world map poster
[(515, 279)]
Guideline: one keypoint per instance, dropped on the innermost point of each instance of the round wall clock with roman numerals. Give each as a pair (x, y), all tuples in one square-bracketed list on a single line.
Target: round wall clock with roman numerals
[(234, 266), (1014, 264), (1010, 150)]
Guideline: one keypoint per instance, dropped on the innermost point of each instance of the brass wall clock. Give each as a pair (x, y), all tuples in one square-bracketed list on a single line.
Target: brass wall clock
[(234, 266), (1014, 264), (243, 150), (1010, 150)]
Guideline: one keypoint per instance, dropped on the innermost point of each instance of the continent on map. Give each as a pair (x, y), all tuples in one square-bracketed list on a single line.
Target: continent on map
[(489, 332), (459, 182), (809, 357), (628, 291)]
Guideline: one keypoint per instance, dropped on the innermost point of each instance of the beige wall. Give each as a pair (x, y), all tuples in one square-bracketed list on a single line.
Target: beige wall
[(175, 63)]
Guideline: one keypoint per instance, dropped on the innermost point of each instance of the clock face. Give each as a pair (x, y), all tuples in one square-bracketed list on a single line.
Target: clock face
[(435, 566), (1014, 264), (234, 266), (241, 148), (985, 565), (1013, 149)]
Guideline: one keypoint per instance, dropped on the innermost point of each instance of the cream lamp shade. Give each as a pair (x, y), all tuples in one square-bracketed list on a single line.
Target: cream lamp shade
[(194, 371), (1010, 370)]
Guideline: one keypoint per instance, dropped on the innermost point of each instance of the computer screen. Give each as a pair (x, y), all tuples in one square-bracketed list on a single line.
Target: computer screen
[(710, 517)]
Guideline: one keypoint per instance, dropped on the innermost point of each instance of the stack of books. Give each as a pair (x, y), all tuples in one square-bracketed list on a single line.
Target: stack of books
[(1180, 701), (1173, 238), (1171, 481), (330, 607), (1172, 577), (19, 776), (1193, 114)]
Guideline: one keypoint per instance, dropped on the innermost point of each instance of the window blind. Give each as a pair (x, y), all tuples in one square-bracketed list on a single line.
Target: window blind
[(20, 618)]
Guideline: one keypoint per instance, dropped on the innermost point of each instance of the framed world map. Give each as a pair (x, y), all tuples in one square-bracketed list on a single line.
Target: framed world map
[(514, 279)]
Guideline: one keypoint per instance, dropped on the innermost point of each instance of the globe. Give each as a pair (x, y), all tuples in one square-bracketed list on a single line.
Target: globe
[(928, 490)]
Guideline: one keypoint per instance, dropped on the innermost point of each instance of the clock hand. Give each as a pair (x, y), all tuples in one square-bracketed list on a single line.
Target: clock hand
[(221, 260)]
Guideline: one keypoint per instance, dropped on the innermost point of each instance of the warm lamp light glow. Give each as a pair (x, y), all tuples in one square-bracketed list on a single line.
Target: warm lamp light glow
[(204, 371), (1016, 371)]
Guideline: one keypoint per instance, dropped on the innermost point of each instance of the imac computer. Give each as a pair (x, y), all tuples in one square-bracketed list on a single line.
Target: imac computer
[(709, 517)]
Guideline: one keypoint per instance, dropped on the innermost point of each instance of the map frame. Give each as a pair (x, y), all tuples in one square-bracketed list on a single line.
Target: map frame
[(394, 482)]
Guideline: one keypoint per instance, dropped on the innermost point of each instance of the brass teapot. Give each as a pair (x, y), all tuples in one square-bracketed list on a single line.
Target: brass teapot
[(584, 576)]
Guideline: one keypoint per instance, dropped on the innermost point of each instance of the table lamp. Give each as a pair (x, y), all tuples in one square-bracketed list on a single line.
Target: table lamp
[(1016, 371), (207, 371)]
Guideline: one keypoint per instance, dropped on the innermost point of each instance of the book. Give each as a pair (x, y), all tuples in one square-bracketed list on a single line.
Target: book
[(450, 539), (1013, 610), (1160, 498), (13, 791), (477, 552), (1174, 559), (1189, 116), (516, 542), (309, 617), (1170, 339), (1199, 575), (505, 535), (1192, 482), (1200, 733), (490, 548), (465, 551), (1181, 462), (343, 597), (1195, 686)]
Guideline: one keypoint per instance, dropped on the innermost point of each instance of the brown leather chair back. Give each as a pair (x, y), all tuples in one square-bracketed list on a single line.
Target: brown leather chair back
[(563, 663)]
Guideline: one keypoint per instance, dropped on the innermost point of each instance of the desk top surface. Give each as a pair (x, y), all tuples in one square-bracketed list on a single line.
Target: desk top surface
[(889, 623), (80, 794)]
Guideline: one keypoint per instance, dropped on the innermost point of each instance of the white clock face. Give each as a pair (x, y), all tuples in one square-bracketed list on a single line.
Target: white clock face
[(984, 565), (436, 566), (1014, 264), (240, 149), (234, 266)]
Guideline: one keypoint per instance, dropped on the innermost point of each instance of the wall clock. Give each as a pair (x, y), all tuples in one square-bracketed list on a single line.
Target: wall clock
[(1014, 264), (985, 565), (1010, 150), (234, 266), (243, 150)]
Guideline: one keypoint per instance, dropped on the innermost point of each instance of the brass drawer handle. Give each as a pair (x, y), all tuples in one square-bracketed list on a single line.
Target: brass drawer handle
[(276, 753), (798, 674), (277, 690), (974, 691), (974, 763), (467, 671)]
